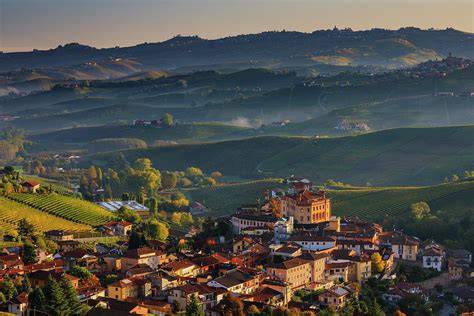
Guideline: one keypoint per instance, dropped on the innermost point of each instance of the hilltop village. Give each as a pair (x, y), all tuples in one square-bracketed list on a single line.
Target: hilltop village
[(286, 256)]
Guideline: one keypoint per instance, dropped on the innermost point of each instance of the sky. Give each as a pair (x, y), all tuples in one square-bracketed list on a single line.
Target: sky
[(44, 24)]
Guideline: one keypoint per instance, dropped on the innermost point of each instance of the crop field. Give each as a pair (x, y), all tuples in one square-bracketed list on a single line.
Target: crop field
[(225, 199), (452, 200), (57, 186), (65, 207), (12, 212)]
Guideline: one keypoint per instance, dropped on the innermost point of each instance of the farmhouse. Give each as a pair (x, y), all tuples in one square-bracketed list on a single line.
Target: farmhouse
[(31, 186)]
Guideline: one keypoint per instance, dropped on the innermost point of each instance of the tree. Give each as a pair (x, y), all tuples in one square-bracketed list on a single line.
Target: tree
[(81, 272), (26, 285), (186, 219), (167, 119), (36, 299), (420, 210), (193, 172), (92, 174), (108, 191), (157, 230), (215, 175), (56, 303), (7, 287), (28, 253), (125, 196), (136, 240), (232, 306), (25, 228), (455, 178), (109, 279), (153, 204), (253, 311), (209, 182), (176, 218), (193, 308), (128, 215), (377, 262), (70, 296), (168, 180), (99, 176), (143, 164)]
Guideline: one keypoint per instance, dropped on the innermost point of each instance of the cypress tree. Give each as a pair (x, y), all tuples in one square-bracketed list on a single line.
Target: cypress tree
[(70, 294), (36, 299), (55, 299), (193, 308)]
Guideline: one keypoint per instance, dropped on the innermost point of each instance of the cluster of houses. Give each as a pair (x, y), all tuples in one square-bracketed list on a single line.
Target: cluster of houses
[(153, 123), (348, 126), (291, 244), (439, 68)]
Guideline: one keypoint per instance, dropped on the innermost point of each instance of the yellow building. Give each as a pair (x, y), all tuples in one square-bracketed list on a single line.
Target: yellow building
[(307, 207), (126, 288), (297, 272)]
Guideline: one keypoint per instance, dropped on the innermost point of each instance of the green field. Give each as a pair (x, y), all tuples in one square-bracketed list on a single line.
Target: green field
[(451, 200), (398, 157), (196, 132), (11, 212), (225, 199), (69, 208)]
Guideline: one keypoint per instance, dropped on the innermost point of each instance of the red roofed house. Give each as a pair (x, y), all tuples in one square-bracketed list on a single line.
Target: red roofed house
[(122, 228), (18, 305), (31, 186), (207, 295), (145, 255)]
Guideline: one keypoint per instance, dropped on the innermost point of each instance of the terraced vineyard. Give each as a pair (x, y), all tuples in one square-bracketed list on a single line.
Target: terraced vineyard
[(65, 207), (57, 186), (12, 212), (375, 203), (225, 199)]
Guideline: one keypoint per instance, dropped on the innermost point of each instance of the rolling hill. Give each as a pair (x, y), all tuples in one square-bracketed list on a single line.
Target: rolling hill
[(392, 48), (408, 156), (451, 200), (197, 132)]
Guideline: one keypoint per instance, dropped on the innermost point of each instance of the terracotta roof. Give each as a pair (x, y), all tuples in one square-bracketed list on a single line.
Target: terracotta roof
[(433, 252), (21, 298), (30, 183), (128, 282), (121, 223), (195, 288), (75, 254), (307, 198), (233, 278), (137, 253), (311, 237), (210, 260), (288, 264), (178, 265)]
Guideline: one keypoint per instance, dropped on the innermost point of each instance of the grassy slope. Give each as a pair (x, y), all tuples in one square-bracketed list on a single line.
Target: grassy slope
[(185, 132), (226, 199), (423, 111), (410, 156), (452, 200)]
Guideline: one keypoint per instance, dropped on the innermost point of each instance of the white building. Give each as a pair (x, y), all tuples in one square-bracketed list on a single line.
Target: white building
[(283, 230), (312, 242), (433, 258)]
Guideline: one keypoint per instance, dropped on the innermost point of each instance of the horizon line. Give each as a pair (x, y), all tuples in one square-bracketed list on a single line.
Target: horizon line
[(14, 50)]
